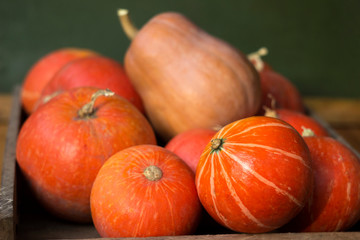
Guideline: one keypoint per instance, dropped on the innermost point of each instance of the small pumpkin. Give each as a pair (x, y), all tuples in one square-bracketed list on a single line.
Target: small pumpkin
[(186, 77), (255, 175), (145, 191)]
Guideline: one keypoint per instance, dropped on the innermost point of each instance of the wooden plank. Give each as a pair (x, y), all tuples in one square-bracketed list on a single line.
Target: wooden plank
[(5, 108), (267, 236), (8, 182), (338, 112)]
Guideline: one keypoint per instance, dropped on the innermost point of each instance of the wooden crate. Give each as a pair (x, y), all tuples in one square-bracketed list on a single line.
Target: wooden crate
[(21, 216)]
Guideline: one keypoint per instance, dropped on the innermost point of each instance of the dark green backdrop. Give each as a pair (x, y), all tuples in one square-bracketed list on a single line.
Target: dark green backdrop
[(315, 43)]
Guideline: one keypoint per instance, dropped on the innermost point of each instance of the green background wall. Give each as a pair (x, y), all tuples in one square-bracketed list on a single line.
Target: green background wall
[(315, 43)]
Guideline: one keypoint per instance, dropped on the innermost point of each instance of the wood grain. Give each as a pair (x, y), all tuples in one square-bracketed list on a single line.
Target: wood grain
[(8, 217), (5, 108)]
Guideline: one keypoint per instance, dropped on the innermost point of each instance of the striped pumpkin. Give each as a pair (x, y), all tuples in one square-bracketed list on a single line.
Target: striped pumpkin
[(255, 175)]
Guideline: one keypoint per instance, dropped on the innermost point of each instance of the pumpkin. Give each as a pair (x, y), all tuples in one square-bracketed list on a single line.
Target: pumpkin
[(255, 175), (335, 205), (188, 78), (94, 71), (190, 144), (63, 144), (275, 86), (43, 70), (145, 191), (298, 120)]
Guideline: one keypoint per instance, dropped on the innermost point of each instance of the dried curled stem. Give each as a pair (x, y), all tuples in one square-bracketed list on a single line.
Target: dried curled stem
[(88, 109), (255, 58)]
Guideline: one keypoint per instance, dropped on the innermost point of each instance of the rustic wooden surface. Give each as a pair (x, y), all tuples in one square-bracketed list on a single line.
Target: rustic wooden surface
[(342, 115), (5, 108)]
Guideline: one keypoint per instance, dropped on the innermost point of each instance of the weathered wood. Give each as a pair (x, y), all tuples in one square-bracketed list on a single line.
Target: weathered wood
[(266, 236), (8, 182), (5, 108)]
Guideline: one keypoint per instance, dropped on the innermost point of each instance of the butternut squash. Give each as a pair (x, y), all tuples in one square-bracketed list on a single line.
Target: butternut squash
[(186, 77)]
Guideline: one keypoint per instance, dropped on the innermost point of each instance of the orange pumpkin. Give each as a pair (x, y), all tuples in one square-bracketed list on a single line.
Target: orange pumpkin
[(145, 191), (255, 175), (63, 144), (335, 205), (187, 78), (43, 70), (298, 120)]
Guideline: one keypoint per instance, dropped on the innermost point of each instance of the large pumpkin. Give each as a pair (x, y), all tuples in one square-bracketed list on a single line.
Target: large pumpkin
[(63, 144), (255, 175), (188, 78)]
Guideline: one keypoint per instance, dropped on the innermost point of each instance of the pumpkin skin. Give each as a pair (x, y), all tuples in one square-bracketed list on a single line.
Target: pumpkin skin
[(94, 71), (276, 86), (255, 175), (299, 121), (125, 203), (335, 205), (43, 70), (188, 78), (190, 144), (60, 153)]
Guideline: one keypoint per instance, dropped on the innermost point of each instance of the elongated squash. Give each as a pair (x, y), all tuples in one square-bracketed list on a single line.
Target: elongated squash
[(186, 77)]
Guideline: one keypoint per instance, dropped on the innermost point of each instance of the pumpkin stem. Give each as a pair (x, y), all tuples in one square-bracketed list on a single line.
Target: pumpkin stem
[(88, 109), (153, 173), (216, 144), (307, 132), (271, 112), (255, 58), (126, 23)]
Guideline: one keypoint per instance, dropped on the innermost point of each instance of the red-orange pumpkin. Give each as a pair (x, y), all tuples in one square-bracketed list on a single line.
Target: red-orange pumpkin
[(63, 144), (145, 191), (255, 175), (43, 70), (276, 86), (335, 205), (298, 120), (189, 145), (94, 71)]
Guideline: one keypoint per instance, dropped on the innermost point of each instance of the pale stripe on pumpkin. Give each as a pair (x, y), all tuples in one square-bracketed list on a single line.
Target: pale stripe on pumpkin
[(262, 179), (237, 199), (213, 193), (201, 171), (221, 135), (260, 126), (272, 149)]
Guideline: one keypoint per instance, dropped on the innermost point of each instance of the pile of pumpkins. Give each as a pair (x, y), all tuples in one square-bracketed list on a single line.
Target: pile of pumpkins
[(189, 125)]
